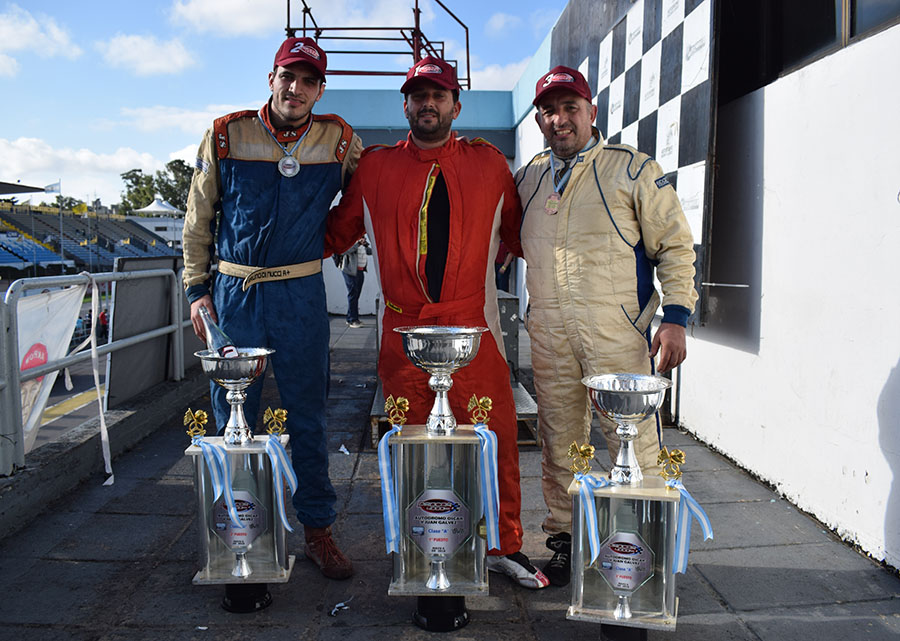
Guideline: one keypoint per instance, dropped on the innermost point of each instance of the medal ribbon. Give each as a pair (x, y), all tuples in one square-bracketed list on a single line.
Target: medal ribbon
[(687, 508), (296, 144), (558, 187), (388, 494), (587, 483), (219, 465), (281, 468), (561, 185), (490, 488)]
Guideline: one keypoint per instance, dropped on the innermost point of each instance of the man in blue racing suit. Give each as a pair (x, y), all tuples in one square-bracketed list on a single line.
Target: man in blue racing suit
[(261, 190)]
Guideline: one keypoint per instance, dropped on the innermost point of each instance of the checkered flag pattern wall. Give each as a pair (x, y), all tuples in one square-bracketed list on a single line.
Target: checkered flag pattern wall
[(654, 91)]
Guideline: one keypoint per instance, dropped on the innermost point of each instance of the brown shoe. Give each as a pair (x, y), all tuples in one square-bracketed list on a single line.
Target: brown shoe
[(323, 551)]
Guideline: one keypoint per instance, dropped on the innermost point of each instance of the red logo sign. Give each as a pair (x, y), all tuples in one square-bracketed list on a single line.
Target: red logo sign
[(35, 356), (429, 68), (438, 506), (309, 51), (557, 77), (620, 547)]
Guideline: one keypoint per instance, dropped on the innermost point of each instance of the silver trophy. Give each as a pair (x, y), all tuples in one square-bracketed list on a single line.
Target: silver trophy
[(236, 375), (441, 351), (626, 399)]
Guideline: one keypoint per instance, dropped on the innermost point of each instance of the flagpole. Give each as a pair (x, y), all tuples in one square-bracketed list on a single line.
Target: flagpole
[(62, 254)]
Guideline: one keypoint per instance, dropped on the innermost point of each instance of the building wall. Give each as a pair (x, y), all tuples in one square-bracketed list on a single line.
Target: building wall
[(797, 377)]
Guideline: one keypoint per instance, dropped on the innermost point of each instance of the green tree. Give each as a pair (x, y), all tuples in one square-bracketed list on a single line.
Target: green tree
[(139, 191), (174, 182), (66, 202)]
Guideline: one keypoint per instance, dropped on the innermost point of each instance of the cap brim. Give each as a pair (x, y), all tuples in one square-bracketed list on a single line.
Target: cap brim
[(550, 90), (305, 61)]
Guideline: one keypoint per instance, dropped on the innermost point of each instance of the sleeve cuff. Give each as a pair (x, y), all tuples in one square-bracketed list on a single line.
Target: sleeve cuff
[(676, 314), (196, 292)]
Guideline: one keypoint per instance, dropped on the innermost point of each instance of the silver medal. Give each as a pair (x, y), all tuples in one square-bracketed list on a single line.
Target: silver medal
[(288, 166)]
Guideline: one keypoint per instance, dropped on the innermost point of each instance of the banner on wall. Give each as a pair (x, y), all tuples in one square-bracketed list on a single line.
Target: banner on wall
[(45, 322)]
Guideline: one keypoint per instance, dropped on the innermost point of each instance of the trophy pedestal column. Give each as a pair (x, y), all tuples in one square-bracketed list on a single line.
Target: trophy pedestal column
[(620, 633), (242, 598), (439, 504), (631, 584), (441, 613), (246, 560)]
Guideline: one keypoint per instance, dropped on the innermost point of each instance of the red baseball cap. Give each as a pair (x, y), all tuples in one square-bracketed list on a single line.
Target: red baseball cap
[(561, 78), (434, 69), (301, 50)]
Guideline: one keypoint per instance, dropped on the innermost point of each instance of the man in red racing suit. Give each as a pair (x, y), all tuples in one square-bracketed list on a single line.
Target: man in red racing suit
[(435, 208)]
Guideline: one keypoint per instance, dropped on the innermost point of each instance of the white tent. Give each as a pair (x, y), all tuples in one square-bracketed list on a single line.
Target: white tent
[(159, 207)]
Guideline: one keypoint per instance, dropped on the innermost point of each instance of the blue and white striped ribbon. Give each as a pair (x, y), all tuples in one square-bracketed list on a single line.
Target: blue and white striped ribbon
[(388, 496), (687, 507), (490, 486), (219, 465), (281, 467), (586, 486)]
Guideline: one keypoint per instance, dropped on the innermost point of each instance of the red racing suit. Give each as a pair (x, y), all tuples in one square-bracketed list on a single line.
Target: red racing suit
[(388, 198)]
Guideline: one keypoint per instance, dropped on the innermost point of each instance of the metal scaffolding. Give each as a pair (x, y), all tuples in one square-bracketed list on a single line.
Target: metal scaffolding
[(418, 44)]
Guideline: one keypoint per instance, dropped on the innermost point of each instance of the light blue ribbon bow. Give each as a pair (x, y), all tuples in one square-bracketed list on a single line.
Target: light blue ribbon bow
[(490, 488), (281, 468), (388, 495), (586, 486), (687, 508), (219, 465)]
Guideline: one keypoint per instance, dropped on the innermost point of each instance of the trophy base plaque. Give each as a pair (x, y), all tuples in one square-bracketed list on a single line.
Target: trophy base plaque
[(441, 613)]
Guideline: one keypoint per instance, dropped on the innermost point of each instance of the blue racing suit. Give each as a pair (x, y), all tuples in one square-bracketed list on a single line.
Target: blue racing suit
[(264, 219)]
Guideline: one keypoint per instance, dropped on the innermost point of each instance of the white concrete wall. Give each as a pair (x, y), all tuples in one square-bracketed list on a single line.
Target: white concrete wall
[(805, 392)]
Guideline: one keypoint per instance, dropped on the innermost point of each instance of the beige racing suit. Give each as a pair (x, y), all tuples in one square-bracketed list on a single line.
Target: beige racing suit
[(592, 296)]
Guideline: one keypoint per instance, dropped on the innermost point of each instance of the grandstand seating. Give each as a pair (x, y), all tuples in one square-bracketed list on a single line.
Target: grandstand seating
[(105, 239)]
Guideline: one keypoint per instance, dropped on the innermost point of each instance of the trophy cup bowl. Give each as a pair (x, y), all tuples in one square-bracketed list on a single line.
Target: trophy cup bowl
[(441, 351), (236, 375), (626, 399)]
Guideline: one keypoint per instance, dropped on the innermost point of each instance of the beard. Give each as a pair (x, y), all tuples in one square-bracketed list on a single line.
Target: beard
[(437, 129)]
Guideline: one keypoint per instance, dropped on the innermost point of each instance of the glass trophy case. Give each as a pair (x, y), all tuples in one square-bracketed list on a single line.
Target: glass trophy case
[(439, 501)]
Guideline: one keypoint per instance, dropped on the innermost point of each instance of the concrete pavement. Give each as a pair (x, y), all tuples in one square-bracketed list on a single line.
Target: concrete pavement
[(115, 563)]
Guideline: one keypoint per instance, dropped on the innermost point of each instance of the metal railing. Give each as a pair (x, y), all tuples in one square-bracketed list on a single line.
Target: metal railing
[(12, 437)]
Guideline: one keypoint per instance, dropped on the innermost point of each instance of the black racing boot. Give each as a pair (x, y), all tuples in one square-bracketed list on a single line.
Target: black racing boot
[(559, 568)]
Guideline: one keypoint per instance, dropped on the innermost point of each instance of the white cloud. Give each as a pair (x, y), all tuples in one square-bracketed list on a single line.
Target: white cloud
[(265, 17), (145, 55), (193, 122), (83, 172), (188, 154), (22, 31), (500, 23), (8, 66), (498, 77)]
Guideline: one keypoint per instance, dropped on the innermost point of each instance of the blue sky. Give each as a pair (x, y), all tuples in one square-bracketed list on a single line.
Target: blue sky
[(93, 88)]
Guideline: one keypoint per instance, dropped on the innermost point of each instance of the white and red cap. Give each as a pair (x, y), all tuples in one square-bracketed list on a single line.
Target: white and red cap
[(561, 77), (301, 50), (434, 69)]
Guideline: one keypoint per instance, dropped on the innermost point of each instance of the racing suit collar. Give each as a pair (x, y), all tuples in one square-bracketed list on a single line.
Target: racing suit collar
[(283, 135), (446, 149)]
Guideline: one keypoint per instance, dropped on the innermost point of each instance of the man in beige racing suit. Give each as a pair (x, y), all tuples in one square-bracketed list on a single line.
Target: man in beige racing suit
[(597, 220)]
